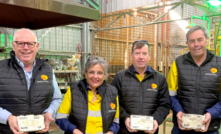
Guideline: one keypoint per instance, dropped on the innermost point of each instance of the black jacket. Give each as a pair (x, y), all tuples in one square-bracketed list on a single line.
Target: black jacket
[(199, 88), (14, 94), (142, 98), (79, 105)]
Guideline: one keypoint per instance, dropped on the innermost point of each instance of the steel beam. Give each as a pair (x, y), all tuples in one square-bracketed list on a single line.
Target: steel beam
[(166, 12), (149, 8), (94, 4), (137, 18), (113, 21), (158, 22)]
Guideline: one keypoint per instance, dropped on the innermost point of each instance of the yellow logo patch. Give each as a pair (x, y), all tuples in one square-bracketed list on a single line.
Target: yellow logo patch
[(213, 70), (154, 86), (44, 77), (112, 105)]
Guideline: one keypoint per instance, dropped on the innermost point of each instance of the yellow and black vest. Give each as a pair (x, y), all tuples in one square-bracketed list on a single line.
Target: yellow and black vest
[(79, 105)]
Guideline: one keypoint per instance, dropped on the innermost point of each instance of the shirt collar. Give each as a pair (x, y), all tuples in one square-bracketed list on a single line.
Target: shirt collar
[(22, 64), (147, 70), (88, 88)]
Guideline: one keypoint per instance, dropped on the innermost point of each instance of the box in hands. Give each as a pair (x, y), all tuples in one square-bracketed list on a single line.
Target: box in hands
[(141, 122), (193, 121), (30, 123)]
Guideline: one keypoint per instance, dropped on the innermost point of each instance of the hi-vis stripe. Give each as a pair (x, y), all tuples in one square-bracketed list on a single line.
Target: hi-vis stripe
[(116, 120), (96, 133), (172, 93), (94, 113), (60, 116)]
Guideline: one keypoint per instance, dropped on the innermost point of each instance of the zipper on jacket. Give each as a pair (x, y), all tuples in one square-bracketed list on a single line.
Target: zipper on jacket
[(27, 92), (197, 91), (102, 111), (30, 88), (102, 114), (87, 112), (141, 98)]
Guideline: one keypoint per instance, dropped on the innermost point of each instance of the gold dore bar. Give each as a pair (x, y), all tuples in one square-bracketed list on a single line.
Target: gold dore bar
[(193, 121), (141, 122), (30, 123)]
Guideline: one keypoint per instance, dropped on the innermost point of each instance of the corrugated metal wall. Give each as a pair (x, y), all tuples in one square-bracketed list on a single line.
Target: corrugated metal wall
[(63, 39), (108, 6)]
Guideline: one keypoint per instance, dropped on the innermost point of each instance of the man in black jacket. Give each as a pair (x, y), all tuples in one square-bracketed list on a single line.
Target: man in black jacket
[(194, 83), (142, 91), (27, 85)]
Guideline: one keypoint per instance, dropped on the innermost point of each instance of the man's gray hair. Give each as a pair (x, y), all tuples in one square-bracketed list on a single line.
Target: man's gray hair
[(27, 30), (93, 60), (195, 28)]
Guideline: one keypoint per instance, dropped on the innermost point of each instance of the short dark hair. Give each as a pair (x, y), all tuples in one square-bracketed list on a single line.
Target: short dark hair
[(139, 44), (195, 28)]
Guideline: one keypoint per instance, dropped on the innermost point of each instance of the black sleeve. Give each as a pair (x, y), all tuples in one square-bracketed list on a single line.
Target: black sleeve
[(163, 106), (116, 82)]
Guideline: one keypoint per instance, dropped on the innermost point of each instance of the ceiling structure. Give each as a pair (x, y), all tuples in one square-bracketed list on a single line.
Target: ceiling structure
[(38, 14), (201, 4)]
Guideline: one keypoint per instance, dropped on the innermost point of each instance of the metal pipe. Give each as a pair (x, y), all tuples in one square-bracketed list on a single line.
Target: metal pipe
[(220, 45), (85, 42), (204, 18), (216, 37), (167, 47), (155, 47), (182, 10), (162, 41)]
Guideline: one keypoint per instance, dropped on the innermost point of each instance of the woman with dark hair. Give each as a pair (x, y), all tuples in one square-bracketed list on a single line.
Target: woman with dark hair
[(90, 106)]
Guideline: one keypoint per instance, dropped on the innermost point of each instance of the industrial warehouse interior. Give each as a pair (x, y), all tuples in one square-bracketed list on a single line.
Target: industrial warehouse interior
[(71, 31)]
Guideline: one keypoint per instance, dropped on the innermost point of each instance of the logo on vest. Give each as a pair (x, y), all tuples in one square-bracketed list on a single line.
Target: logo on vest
[(112, 105), (44, 77), (213, 72), (153, 86)]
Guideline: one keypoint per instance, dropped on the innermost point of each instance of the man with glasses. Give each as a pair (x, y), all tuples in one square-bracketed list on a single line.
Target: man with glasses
[(142, 90), (27, 85), (194, 83)]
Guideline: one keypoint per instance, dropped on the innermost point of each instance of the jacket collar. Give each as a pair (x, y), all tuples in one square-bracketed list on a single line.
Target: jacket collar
[(101, 89), (209, 57), (130, 70)]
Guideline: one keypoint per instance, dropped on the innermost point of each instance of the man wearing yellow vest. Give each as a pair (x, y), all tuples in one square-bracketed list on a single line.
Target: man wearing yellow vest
[(142, 91)]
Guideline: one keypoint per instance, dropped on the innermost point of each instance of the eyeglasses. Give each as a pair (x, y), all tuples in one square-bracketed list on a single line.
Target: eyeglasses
[(144, 41), (21, 44)]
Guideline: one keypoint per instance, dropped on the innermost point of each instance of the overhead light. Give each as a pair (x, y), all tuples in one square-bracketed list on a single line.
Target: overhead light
[(135, 13), (134, 9), (214, 2)]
